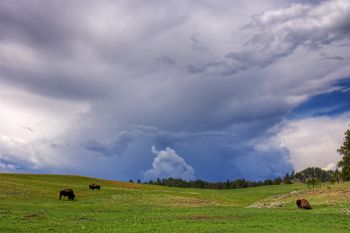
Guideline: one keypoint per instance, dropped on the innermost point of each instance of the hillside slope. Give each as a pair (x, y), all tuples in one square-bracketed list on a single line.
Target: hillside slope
[(29, 203)]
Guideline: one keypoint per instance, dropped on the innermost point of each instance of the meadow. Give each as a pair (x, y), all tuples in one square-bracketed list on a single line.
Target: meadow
[(29, 203)]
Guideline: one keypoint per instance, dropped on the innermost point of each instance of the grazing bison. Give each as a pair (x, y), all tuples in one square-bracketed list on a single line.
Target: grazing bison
[(94, 186), (303, 204), (67, 193)]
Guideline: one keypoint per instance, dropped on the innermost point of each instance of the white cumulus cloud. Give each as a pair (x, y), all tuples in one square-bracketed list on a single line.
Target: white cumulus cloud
[(169, 164), (313, 141)]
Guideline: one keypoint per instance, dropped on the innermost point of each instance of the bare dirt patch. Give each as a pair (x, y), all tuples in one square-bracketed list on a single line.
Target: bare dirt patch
[(33, 216), (276, 201), (190, 202)]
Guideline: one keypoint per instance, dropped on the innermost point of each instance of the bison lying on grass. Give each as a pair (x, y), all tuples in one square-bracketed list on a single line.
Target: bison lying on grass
[(94, 186), (303, 204), (67, 193)]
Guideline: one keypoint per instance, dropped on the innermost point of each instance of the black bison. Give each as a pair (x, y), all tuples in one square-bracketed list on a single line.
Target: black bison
[(303, 204), (94, 186), (67, 193)]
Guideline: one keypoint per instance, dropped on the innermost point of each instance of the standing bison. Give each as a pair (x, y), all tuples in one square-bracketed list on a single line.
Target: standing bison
[(94, 186), (303, 204), (67, 193)]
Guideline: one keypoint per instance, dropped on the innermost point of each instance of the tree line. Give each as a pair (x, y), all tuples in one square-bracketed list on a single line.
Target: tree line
[(312, 176), (229, 184)]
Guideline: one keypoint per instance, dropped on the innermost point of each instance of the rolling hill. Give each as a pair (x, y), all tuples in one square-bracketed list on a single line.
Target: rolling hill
[(29, 203)]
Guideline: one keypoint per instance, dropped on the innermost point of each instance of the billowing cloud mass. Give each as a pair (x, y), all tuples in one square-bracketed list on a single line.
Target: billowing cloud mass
[(313, 140), (238, 89), (168, 164)]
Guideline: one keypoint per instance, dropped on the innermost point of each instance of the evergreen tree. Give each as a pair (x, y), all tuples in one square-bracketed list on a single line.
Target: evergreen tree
[(336, 175), (292, 175), (227, 185), (286, 179), (314, 172), (277, 180), (314, 182), (344, 163)]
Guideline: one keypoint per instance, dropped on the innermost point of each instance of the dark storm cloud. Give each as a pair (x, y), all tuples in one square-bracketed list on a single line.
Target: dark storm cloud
[(234, 157), (276, 34), (53, 83), (328, 57), (197, 44), (35, 23), (51, 39), (183, 71), (119, 144), (166, 61)]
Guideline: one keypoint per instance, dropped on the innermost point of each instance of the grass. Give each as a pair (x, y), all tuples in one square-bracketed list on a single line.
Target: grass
[(29, 203)]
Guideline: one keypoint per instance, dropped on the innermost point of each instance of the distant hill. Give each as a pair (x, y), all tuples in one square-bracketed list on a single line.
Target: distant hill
[(315, 172)]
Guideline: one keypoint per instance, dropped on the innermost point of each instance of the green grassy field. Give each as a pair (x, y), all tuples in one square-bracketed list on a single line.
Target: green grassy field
[(29, 203)]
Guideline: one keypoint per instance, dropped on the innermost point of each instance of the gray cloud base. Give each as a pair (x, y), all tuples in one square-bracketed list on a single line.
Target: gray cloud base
[(186, 75)]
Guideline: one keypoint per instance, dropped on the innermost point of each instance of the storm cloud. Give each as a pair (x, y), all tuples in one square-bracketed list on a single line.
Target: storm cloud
[(100, 83)]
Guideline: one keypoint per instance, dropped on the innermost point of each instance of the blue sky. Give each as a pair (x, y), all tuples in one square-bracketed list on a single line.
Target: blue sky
[(190, 89), (331, 103)]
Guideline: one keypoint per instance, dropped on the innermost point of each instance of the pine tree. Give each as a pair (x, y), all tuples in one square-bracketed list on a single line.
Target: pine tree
[(286, 179), (344, 163), (336, 175)]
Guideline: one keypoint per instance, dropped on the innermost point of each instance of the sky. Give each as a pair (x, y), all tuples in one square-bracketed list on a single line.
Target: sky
[(196, 89)]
